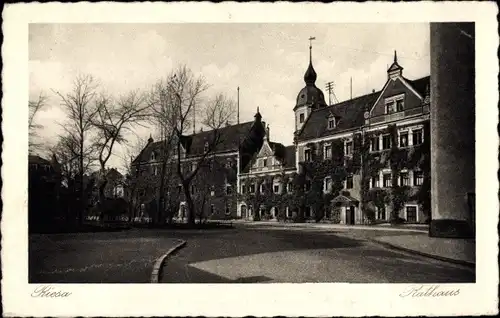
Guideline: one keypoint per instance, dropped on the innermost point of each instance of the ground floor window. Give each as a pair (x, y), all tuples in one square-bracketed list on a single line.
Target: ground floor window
[(411, 214), (288, 212), (380, 213)]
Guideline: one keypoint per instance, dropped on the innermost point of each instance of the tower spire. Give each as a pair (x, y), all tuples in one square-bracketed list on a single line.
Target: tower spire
[(310, 75), (395, 57)]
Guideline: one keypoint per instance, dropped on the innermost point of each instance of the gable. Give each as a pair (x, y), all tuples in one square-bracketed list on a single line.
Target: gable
[(265, 150), (392, 88)]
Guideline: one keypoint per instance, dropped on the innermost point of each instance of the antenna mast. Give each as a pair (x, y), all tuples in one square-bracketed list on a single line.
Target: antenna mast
[(238, 119), (329, 88), (351, 87)]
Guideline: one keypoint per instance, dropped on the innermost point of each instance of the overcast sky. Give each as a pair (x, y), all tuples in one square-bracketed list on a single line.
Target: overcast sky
[(267, 61)]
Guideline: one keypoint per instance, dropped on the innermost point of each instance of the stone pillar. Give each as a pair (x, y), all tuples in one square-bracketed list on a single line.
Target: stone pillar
[(452, 122)]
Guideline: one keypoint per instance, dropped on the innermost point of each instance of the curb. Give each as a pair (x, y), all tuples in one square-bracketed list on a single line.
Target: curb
[(157, 268), (436, 257)]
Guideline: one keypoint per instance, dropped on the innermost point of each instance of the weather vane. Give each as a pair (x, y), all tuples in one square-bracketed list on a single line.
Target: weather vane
[(310, 41)]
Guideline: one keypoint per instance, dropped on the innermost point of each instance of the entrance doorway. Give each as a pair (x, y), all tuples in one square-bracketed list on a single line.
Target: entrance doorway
[(243, 211), (351, 215)]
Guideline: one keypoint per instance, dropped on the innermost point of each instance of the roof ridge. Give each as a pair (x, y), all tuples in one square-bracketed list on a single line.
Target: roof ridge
[(346, 101)]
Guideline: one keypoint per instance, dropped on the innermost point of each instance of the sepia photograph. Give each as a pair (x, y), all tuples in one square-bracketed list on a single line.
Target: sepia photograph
[(199, 155), (311, 157)]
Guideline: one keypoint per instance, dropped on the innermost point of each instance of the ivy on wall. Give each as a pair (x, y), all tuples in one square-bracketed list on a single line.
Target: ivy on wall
[(396, 159)]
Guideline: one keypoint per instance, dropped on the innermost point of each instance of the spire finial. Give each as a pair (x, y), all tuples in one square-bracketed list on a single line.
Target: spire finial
[(311, 38), (258, 109), (395, 56), (310, 75)]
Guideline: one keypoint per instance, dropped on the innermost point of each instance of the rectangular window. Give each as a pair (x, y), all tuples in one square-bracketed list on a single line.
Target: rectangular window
[(228, 189), (389, 107), (349, 182), (374, 144), (380, 213), (375, 182), (262, 188), (404, 179), (386, 142), (243, 188), (251, 188), (301, 118), (411, 214), (418, 178), (418, 137), (307, 154), (403, 139), (387, 180), (331, 123), (264, 162), (328, 152), (276, 188), (348, 148), (400, 105), (290, 187), (327, 184)]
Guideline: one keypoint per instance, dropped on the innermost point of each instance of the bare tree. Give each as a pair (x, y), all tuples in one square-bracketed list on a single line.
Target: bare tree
[(215, 114), (35, 106), (113, 120), (164, 105), (80, 108), (132, 179)]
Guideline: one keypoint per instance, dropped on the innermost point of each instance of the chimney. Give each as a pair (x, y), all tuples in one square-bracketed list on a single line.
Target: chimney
[(268, 133), (373, 91)]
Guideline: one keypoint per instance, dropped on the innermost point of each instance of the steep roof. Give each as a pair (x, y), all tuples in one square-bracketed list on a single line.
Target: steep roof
[(349, 114), (195, 143), (289, 157), (420, 85), (229, 139), (33, 159)]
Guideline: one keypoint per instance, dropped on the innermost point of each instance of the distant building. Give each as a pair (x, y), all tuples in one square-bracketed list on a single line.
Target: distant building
[(44, 184)]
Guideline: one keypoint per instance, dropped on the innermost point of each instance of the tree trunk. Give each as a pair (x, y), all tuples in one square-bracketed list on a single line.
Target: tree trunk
[(190, 203), (102, 199)]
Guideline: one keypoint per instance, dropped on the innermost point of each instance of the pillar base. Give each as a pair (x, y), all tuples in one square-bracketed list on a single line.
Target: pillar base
[(448, 228)]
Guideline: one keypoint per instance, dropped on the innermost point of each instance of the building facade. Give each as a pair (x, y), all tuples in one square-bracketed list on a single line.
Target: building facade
[(370, 153), (214, 187), (359, 161)]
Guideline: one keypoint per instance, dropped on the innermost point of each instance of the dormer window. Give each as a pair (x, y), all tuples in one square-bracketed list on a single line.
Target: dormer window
[(153, 156), (332, 123), (301, 118)]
